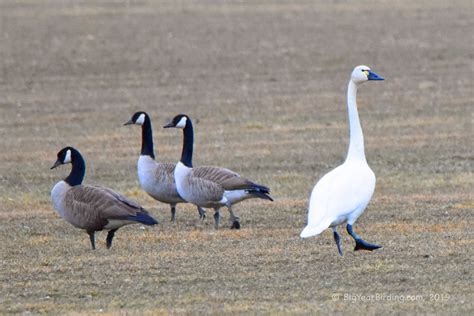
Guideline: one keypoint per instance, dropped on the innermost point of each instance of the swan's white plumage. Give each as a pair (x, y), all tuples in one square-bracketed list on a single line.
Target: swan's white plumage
[(342, 195)]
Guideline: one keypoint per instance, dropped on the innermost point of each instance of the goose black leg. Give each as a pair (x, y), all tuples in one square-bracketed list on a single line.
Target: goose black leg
[(338, 242), (360, 243), (202, 213), (92, 238), (173, 213), (110, 236), (235, 220), (217, 218)]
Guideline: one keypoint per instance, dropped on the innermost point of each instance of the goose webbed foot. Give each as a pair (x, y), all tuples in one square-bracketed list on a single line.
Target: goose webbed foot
[(110, 236), (360, 243), (92, 239), (202, 213), (173, 214), (235, 222), (337, 239), (235, 225)]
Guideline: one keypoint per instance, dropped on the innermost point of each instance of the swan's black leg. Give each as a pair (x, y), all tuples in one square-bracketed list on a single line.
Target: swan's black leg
[(360, 243), (110, 236), (337, 239)]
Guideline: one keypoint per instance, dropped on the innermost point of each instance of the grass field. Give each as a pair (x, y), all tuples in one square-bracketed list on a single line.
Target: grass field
[(265, 84)]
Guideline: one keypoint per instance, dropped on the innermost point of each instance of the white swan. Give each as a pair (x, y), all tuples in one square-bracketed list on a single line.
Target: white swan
[(342, 195)]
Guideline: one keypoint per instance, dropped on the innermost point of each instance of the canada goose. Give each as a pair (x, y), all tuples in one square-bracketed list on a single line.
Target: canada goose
[(156, 178), (342, 195), (210, 187), (90, 207)]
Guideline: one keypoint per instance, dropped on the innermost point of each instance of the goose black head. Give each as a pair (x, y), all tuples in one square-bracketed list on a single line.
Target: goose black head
[(138, 118), (179, 121), (363, 73), (64, 156)]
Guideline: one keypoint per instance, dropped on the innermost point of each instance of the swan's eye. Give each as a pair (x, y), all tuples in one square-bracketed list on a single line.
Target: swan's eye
[(366, 72)]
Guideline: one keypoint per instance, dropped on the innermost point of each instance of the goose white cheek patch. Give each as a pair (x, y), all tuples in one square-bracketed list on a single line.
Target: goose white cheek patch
[(182, 123), (140, 120), (67, 158)]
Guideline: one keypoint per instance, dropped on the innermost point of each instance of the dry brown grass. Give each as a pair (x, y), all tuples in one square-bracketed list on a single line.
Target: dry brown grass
[(265, 84)]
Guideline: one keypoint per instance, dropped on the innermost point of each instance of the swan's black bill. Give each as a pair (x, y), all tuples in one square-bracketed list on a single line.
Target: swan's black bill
[(373, 76), (57, 163), (169, 125), (130, 122)]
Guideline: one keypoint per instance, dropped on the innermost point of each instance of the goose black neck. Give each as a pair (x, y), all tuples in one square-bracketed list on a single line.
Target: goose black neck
[(147, 139), (78, 169), (188, 142)]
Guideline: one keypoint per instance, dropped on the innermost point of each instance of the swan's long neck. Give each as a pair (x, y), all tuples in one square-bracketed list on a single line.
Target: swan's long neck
[(356, 141), (188, 143), (78, 169), (147, 139)]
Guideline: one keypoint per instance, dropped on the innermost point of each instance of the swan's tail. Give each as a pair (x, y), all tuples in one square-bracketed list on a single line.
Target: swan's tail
[(310, 231)]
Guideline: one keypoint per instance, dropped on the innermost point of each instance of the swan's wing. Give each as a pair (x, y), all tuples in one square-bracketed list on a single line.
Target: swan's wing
[(339, 193), (319, 206)]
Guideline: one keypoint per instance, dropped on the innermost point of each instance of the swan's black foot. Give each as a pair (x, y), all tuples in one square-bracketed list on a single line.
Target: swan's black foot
[(360, 243), (363, 245)]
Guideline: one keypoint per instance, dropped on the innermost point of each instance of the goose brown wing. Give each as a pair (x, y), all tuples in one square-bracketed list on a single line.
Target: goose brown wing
[(106, 192), (164, 172), (90, 207), (207, 191), (164, 176), (228, 179)]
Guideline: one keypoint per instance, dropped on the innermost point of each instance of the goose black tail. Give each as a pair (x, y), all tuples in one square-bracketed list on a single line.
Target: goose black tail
[(144, 218), (260, 194), (261, 188)]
